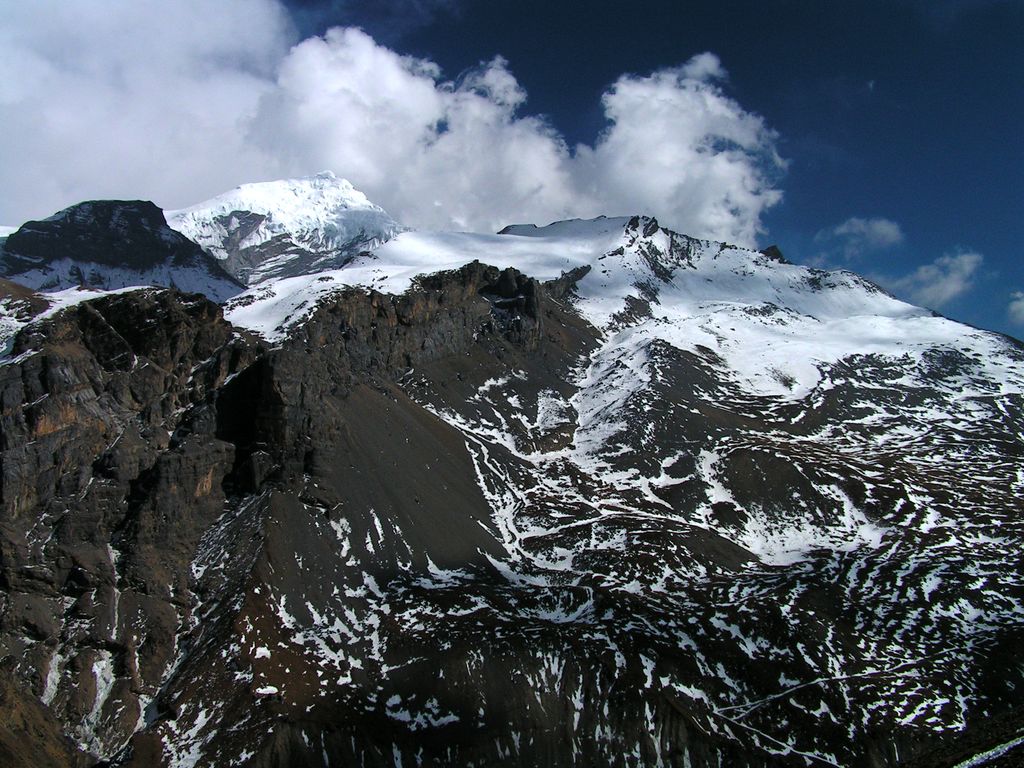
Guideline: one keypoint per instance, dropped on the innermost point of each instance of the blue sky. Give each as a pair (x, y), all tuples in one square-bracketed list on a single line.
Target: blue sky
[(884, 137), (910, 112)]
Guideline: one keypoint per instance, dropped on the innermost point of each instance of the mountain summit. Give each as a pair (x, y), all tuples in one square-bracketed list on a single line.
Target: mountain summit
[(595, 493), (286, 228), (110, 244)]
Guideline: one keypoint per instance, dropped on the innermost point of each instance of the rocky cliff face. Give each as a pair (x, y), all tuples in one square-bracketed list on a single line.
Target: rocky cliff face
[(470, 524), (107, 483), (110, 244), (139, 430)]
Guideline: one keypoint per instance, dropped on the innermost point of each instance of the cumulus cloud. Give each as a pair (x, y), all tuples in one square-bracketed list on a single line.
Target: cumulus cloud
[(679, 147), (170, 102), (934, 284), (434, 153), (1015, 310), (459, 154), (135, 98), (938, 283), (857, 236)]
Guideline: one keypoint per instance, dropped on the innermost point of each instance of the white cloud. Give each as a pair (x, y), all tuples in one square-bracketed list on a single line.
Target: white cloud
[(857, 236), (170, 102), (876, 233), (679, 147), (1015, 310), (136, 98), (442, 154), (933, 285), (938, 283), (434, 153)]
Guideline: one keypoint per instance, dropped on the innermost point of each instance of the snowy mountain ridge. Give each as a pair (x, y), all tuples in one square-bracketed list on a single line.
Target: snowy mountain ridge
[(285, 228), (774, 324), (110, 245), (595, 493)]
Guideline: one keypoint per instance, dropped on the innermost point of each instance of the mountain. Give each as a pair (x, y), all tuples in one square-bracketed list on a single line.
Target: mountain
[(109, 244), (18, 307), (286, 228), (595, 493)]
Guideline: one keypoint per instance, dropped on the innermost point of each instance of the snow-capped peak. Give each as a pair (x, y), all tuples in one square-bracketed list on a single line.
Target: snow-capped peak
[(295, 204), (287, 227), (110, 244), (774, 326)]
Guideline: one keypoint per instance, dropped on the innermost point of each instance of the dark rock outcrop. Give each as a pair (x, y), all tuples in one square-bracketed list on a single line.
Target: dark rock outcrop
[(132, 424), (108, 232), (109, 476), (29, 734), (383, 540), (774, 254), (111, 244)]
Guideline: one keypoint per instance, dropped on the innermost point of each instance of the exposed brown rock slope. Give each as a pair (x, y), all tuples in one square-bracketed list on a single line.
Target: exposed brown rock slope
[(216, 552), (133, 423)]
